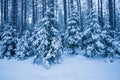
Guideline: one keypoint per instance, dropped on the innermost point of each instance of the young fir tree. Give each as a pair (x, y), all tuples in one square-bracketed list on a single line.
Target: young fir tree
[(8, 42), (91, 37), (46, 41), (98, 42), (72, 35), (23, 48), (112, 46)]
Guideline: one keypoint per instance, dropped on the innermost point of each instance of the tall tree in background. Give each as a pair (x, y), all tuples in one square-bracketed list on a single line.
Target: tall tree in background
[(2, 18), (33, 12), (43, 8), (114, 11), (65, 13), (100, 13), (5, 11), (111, 22), (23, 14), (79, 13), (68, 8), (14, 13), (89, 12), (36, 10)]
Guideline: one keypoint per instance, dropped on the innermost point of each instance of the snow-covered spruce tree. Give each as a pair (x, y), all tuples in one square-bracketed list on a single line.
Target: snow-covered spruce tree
[(91, 37), (97, 41), (111, 45), (8, 42), (23, 47), (46, 41), (72, 35)]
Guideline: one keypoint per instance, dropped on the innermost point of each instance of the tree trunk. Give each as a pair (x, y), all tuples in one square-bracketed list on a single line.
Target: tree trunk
[(65, 13), (79, 13), (20, 29), (2, 18), (114, 14), (14, 13), (68, 9), (43, 8), (23, 17), (33, 12), (36, 10), (110, 4), (100, 13), (25, 14), (5, 11)]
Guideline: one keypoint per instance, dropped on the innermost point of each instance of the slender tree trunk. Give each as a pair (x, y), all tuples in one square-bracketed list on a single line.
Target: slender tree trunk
[(114, 14), (2, 18), (100, 13), (65, 13), (102, 22), (5, 11), (33, 12), (22, 20), (14, 13), (110, 4), (36, 10), (79, 13), (25, 14), (43, 8), (68, 8), (89, 11)]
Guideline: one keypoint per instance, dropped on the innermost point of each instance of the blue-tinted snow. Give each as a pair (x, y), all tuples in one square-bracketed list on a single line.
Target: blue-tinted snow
[(72, 68)]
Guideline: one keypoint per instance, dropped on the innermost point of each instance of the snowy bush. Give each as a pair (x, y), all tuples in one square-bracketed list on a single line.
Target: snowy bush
[(23, 48), (112, 46), (8, 42)]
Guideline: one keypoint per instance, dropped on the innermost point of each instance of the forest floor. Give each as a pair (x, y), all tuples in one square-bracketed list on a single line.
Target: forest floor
[(72, 68)]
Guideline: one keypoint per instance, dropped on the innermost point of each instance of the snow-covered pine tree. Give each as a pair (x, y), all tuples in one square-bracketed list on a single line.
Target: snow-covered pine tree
[(23, 48), (72, 35), (97, 41), (111, 45), (46, 41), (91, 36), (8, 42)]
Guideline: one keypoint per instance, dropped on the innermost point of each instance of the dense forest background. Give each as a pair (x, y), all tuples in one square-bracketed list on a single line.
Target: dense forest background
[(46, 28)]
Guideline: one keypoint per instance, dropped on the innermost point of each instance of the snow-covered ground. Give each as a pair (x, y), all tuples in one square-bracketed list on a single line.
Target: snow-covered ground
[(72, 68)]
